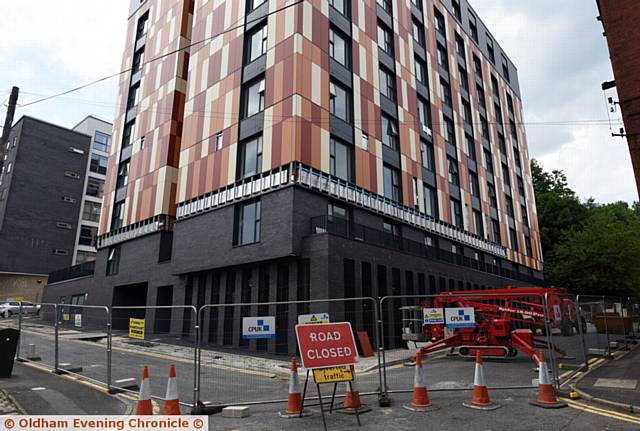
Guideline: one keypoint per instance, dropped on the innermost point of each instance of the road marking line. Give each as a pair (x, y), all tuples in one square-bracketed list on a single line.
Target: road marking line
[(602, 412)]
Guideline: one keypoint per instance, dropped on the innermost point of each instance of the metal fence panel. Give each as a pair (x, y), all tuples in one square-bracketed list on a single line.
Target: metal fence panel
[(38, 334)]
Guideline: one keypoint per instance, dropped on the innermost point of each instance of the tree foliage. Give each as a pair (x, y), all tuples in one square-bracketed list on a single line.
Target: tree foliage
[(589, 248)]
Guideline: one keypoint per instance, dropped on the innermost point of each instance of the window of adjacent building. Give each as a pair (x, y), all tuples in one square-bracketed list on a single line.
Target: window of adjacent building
[(417, 3), (389, 132), (68, 174), (484, 126), (423, 114), (513, 239), (421, 71), (335, 210), (430, 201), (493, 199), (510, 104), (391, 228), (219, 141), (525, 215), (449, 131), (387, 83), (457, 12), (488, 161), (516, 156), (138, 61), (127, 134), (386, 5), (391, 183), (416, 195), (443, 61), (494, 86), (490, 51), (454, 176), (470, 146), (88, 236), (123, 175), (475, 185), (113, 260), (464, 78), (85, 256), (338, 47), (439, 20), (502, 144), (481, 99), (339, 101), (61, 252), (69, 199), (117, 217), (477, 65), (477, 223), (91, 211), (521, 186), (505, 175), (385, 39), (466, 113), (341, 160), (456, 213), (339, 5), (495, 231), (143, 26), (445, 92), (101, 142), (527, 245), (365, 142), (257, 43), (460, 46), (418, 34), (509, 204), (255, 3), (505, 68), (98, 164), (247, 223), (134, 97), (428, 156), (250, 157), (63, 225), (95, 187), (473, 26), (253, 97)]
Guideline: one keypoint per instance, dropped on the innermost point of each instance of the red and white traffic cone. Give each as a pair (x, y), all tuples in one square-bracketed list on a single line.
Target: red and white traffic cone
[(480, 399), (420, 401), (546, 393), (144, 406), (294, 398), (352, 402), (171, 401)]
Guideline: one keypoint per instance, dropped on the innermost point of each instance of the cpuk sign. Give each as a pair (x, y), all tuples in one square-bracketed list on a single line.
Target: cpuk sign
[(460, 317), (258, 327)]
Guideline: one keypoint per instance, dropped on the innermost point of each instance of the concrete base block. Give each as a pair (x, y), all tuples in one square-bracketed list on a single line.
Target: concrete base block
[(420, 409), (557, 405), (597, 352), (285, 415), (492, 406), (236, 412)]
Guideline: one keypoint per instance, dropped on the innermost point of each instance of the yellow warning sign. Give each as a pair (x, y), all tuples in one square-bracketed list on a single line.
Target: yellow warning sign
[(19, 298), (136, 328), (65, 317), (332, 374)]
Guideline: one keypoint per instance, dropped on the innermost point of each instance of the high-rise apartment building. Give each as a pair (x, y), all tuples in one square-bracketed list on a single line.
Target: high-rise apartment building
[(287, 150), (41, 189), (87, 235)]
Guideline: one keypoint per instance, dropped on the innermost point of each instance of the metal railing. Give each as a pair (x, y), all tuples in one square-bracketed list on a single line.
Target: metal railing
[(85, 269)]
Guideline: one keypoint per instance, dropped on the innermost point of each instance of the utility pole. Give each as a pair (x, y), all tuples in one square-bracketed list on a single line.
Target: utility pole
[(8, 122)]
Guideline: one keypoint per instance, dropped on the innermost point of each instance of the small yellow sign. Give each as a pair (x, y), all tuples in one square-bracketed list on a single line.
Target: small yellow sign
[(333, 374), (136, 328), (65, 317), (19, 298)]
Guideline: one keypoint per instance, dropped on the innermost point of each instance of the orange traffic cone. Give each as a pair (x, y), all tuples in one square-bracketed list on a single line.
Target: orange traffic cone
[(420, 401), (144, 406), (480, 399), (546, 393), (171, 402), (294, 399), (352, 401)]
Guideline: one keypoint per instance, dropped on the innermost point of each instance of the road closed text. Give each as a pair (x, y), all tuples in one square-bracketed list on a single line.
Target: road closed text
[(326, 345)]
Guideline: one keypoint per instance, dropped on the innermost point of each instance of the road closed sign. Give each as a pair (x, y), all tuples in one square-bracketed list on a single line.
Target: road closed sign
[(326, 345)]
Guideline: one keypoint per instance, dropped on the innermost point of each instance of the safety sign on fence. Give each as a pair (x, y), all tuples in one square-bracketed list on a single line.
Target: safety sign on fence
[(136, 328), (326, 345), (332, 375), (305, 319), (460, 317), (258, 327), (433, 316), (78, 321)]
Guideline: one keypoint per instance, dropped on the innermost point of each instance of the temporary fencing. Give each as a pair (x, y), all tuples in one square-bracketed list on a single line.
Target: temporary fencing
[(38, 334)]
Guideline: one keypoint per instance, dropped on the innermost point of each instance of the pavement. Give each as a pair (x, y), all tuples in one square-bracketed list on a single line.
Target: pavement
[(616, 381)]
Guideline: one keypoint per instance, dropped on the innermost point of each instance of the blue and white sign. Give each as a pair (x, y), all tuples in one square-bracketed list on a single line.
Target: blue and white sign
[(258, 327), (460, 317), (433, 316)]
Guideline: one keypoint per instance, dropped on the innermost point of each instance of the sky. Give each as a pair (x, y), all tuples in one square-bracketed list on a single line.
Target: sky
[(557, 46)]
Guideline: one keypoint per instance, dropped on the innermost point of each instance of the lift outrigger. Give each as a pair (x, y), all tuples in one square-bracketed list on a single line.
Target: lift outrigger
[(507, 321)]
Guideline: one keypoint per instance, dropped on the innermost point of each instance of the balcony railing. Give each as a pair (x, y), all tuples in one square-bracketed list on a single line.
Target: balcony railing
[(85, 269), (346, 229)]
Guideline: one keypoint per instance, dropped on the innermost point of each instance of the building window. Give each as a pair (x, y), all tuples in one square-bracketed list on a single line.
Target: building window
[(490, 51), (494, 86), (449, 131), (391, 228), (69, 199), (481, 99), (365, 142), (421, 71), (138, 61), (502, 145), (460, 46), (340, 160), (473, 26), (95, 187), (525, 215), (250, 158), (123, 175), (495, 231), (113, 260), (335, 210), (527, 245), (418, 34), (339, 102), (386, 5), (117, 217), (509, 203), (255, 3), (513, 239), (454, 176), (143, 26), (392, 183), (423, 114), (457, 12), (389, 132), (456, 213), (445, 93), (505, 68), (338, 47), (430, 201), (85, 256), (385, 39), (88, 236), (470, 147), (73, 150), (505, 175), (127, 134), (60, 252), (464, 79), (417, 3), (134, 97), (488, 161), (443, 61), (387, 83), (98, 164), (219, 141), (475, 185), (68, 174), (247, 223), (466, 113), (477, 65), (339, 5), (257, 43), (521, 186), (484, 127), (63, 225), (91, 211), (439, 19), (510, 104), (493, 199), (253, 98), (428, 156), (477, 223)]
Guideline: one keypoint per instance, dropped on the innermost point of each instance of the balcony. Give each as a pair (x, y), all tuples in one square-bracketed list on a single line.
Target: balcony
[(85, 269)]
